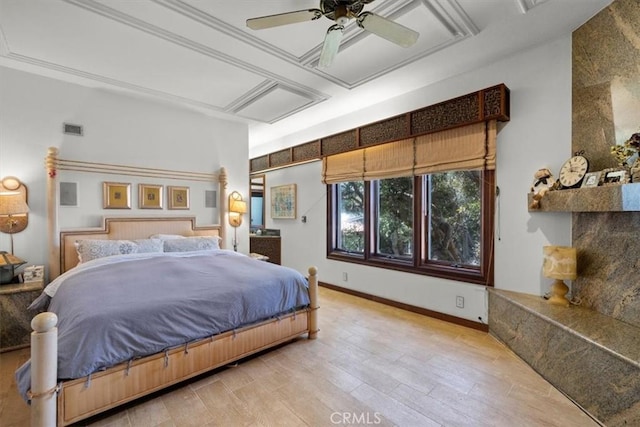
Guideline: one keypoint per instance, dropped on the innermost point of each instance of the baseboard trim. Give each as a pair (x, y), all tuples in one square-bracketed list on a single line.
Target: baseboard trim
[(420, 310)]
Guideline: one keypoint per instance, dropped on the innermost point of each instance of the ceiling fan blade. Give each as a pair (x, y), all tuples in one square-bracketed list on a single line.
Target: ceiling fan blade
[(382, 27), (330, 46), (283, 19)]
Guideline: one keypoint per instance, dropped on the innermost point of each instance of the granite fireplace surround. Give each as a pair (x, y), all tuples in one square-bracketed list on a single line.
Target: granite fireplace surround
[(591, 352)]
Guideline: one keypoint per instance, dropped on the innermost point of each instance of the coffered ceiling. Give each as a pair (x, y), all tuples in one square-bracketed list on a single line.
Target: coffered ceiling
[(200, 53)]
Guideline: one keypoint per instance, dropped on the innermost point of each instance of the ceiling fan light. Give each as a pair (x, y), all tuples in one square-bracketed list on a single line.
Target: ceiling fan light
[(389, 30), (330, 46)]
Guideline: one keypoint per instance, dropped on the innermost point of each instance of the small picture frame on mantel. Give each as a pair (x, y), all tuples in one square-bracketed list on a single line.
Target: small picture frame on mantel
[(615, 176), (591, 179)]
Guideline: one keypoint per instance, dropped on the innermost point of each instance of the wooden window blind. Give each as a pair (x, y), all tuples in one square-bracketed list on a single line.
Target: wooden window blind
[(463, 148)]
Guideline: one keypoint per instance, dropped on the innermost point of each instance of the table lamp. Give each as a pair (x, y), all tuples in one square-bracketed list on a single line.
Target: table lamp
[(559, 263), (8, 265)]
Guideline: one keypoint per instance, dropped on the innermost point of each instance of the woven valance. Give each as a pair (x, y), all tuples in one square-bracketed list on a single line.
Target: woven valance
[(463, 148)]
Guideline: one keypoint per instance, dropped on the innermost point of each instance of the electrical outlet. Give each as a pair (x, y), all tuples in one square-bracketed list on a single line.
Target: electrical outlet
[(460, 302), (345, 277)]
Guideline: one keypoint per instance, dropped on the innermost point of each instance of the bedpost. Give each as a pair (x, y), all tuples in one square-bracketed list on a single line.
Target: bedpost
[(313, 303), (44, 369), (51, 163), (222, 180)]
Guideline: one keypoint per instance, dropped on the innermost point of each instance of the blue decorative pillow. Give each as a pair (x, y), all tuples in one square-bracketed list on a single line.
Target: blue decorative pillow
[(94, 249), (192, 244)]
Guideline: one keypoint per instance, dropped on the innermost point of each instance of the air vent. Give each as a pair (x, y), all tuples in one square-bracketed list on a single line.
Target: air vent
[(72, 129)]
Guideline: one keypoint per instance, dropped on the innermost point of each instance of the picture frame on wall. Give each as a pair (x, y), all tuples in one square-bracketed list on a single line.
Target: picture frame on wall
[(116, 195), (283, 201), (149, 196), (178, 197)]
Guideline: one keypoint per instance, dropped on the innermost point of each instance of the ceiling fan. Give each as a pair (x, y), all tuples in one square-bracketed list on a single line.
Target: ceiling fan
[(340, 11)]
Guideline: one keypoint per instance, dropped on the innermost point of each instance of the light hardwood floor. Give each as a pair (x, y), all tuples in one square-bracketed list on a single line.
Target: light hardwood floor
[(371, 365)]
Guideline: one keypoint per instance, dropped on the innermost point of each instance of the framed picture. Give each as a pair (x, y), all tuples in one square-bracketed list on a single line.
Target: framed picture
[(283, 202), (615, 176), (68, 194), (178, 197), (149, 196), (591, 179), (116, 195)]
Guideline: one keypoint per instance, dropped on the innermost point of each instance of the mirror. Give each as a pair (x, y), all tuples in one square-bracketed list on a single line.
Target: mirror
[(257, 202)]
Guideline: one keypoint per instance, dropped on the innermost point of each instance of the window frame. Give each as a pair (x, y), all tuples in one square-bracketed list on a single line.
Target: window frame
[(417, 264)]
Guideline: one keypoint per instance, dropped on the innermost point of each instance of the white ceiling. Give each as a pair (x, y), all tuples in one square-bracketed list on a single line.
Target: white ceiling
[(200, 54)]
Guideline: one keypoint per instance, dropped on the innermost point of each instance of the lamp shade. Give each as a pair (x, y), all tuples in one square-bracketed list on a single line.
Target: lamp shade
[(8, 264), (12, 203), (238, 206), (9, 260), (559, 262)]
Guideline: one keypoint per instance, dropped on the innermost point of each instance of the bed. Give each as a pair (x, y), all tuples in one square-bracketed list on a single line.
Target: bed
[(64, 395)]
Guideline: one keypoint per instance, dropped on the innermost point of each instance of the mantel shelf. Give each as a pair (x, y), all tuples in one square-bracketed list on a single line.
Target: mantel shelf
[(610, 198)]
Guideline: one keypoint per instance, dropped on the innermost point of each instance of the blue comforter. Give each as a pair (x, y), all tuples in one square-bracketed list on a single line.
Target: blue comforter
[(134, 306)]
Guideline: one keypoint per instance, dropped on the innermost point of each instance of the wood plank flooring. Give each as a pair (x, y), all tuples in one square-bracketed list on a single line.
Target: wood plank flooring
[(371, 365)]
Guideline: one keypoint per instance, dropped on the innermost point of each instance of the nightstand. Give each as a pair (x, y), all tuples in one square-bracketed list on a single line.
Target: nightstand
[(268, 246), (15, 320)]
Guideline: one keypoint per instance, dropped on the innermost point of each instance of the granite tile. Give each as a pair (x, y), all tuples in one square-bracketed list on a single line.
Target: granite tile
[(593, 358)]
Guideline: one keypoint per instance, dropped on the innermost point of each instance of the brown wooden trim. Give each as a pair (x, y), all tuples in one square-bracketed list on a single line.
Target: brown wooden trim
[(491, 103), (412, 308)]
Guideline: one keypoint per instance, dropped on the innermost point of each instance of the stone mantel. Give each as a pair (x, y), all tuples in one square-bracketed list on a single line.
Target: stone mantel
[(609, 198)]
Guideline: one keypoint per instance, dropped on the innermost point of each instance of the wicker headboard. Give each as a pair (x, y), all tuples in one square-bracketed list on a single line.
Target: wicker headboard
[(129, 229)]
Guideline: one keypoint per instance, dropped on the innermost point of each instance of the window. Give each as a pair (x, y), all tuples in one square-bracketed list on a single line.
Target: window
[(350, 217), (393, 217), (454, 220), (437, 224)]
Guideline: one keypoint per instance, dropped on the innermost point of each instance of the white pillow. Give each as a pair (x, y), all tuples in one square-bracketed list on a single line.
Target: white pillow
[(192, 244), (93, 249), (166, 236), (149, 245)]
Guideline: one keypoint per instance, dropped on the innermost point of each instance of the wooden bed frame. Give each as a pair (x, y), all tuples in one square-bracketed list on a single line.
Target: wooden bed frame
[(71, 401)]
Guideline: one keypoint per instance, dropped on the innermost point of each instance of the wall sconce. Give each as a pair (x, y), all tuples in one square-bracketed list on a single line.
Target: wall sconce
[(559, 263), (237, 207), (13, 207)]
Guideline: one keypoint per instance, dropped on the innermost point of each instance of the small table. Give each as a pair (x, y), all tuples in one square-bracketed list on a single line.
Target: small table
[(258, 256), (15, 320)]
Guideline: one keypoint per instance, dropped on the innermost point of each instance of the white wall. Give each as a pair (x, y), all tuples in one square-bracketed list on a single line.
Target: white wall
[(118, 129), (538, 135)]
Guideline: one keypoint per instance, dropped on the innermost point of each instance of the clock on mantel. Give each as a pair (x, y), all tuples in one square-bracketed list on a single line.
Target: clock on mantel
[(573, 171)]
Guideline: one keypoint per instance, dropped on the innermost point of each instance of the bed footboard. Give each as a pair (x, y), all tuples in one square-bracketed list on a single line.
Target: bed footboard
[(77, 399)]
